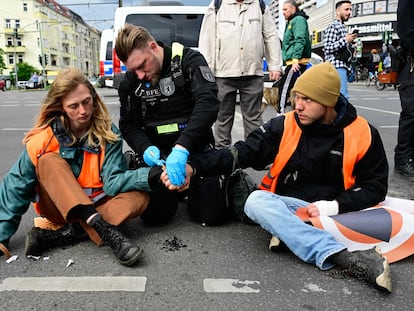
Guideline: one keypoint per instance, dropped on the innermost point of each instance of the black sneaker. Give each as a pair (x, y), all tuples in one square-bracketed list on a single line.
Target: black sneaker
[(371, 266), (405, 169), (120, 244)]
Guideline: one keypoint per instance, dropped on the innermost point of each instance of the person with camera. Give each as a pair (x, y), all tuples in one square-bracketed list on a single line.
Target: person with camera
[(338, 43)]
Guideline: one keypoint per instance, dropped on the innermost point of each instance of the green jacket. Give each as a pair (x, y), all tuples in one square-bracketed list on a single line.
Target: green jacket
[(296, 43), (18, 188)]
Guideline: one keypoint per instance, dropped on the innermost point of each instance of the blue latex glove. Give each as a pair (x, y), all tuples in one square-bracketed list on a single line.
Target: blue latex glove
[(152, 156), (175, 165)]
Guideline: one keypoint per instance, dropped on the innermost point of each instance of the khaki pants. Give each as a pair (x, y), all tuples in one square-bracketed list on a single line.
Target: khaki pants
[(59, 192)]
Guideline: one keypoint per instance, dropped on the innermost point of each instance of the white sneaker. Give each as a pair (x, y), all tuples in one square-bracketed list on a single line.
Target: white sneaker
[(274, 244)]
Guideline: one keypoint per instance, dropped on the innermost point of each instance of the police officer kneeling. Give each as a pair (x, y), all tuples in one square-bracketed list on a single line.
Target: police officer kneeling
[(168, 106)]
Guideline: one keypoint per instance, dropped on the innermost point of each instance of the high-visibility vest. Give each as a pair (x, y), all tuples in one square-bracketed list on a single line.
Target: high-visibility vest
[(89, 177), (357, 139)]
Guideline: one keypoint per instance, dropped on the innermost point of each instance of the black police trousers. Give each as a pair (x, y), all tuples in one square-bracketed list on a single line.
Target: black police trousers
[(404, 151)]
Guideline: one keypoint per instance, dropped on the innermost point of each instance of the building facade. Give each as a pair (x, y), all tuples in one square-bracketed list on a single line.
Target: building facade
[(47, 36), (375, 20)]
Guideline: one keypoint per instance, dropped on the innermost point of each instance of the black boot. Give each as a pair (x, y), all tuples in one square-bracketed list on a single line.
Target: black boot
[(120, 244), (368, 265), (39, 240)]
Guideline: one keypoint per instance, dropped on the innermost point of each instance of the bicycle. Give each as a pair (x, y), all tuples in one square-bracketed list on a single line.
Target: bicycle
[(386, 78), (361, 74), (373, 79)]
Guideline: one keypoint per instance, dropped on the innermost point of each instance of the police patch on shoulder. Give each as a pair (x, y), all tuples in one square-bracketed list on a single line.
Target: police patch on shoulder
[(207, 74), (167, 86)]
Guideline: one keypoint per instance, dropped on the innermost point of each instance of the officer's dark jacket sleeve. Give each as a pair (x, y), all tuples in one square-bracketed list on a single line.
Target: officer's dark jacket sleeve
[(204, 92), (130, 119), (258, 151)]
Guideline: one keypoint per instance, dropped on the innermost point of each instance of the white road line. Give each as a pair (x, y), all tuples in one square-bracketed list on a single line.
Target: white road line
[(230, 286), (15, 129), (378, 110), (75, 284), (389, 126)]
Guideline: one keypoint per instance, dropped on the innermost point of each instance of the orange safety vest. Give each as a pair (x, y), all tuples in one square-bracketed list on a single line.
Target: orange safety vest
[(89, 177), (357, 139)]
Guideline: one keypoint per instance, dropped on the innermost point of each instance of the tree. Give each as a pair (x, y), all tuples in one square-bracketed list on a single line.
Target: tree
[(2, 63), (24, 71)]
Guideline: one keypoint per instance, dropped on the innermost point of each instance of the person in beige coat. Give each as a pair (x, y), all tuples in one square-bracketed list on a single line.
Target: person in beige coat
[(233, 39)]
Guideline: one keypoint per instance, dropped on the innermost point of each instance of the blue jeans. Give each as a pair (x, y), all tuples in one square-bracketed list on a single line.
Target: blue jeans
[(343, 74), (276, 214)]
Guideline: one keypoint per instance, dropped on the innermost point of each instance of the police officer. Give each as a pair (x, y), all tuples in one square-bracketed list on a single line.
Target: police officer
[(404, 61), (168, 105)]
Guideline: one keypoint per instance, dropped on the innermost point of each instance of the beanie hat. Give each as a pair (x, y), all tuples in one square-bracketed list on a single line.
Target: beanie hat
[(321, 83)]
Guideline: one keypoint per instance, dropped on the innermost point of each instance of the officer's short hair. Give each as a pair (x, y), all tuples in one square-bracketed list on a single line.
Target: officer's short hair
[(131, 37)]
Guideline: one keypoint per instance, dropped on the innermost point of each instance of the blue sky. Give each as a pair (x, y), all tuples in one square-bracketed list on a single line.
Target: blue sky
[(100, 15)]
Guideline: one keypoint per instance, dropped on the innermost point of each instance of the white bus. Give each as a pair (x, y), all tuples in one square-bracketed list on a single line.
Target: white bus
[(105, 58), (166, 23)]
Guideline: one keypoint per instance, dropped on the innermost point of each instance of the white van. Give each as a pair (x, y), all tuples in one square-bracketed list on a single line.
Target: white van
[(105, 58), (166, 23)]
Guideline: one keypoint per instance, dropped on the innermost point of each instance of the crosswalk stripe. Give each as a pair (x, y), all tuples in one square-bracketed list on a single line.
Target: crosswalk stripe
[(230, 286), (75, 284)]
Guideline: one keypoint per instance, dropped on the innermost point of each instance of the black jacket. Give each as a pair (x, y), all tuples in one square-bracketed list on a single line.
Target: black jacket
[(405, 23), (195, 105), (314, 172)]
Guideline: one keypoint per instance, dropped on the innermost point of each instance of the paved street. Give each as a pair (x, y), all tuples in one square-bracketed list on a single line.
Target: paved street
[(188, 266)]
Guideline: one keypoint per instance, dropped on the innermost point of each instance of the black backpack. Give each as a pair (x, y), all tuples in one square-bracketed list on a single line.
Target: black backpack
[(217, 4)]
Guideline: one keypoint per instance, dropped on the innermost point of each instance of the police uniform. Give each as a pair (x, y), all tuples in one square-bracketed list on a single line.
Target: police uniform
[(178, 109), (404, 151)]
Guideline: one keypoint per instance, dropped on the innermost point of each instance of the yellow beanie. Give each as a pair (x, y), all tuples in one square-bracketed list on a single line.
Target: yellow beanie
[(320, 83)]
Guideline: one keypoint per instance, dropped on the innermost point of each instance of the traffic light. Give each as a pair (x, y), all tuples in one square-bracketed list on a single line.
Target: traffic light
[(45, 57)]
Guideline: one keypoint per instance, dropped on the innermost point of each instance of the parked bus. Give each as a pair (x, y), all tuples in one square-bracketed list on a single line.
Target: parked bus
[(105, 59), (166, 23)]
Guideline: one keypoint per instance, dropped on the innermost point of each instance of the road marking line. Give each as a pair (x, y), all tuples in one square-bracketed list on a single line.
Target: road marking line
[(378, 110), (75, 284), (230, 286), (15, 129)]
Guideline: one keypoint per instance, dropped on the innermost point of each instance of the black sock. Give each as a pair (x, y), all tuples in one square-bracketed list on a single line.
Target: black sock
[(342, 259), (83, 212)]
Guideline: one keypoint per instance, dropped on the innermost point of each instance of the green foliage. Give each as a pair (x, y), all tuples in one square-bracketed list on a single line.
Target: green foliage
[(2, 63), (24, 71)]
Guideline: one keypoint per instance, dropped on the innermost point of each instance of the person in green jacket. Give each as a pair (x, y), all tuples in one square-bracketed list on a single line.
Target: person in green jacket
[(296, 49), (74, 172)]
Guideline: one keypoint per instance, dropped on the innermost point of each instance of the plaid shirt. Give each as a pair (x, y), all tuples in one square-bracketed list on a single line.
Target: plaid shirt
[(334, 39)]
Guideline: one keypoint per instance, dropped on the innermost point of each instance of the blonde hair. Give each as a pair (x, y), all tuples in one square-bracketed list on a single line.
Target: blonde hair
[(66, 81), (129, 38)]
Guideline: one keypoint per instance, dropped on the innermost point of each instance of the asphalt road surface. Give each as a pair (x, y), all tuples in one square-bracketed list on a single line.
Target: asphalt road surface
[(188, 266)]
